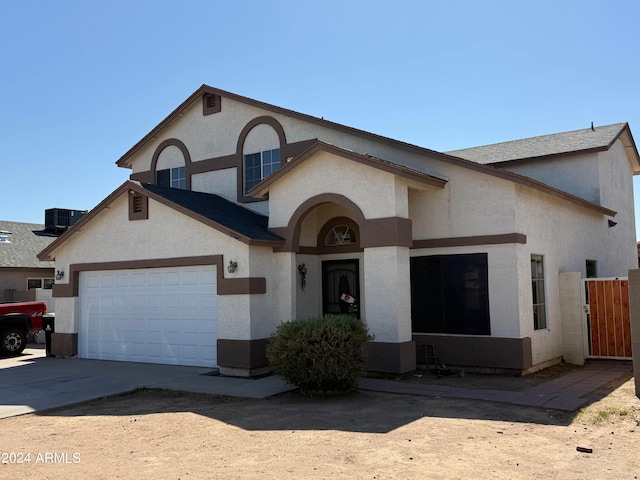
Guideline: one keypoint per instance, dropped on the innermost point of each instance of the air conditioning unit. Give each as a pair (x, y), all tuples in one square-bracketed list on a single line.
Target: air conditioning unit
[(59, 220)]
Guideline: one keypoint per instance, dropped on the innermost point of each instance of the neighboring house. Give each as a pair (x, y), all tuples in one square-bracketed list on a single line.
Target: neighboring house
[(21, 273), (240, 215)]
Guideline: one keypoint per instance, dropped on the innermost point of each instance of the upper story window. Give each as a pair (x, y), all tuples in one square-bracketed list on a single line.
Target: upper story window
[(172, 177), (259, 165), (4, 238)]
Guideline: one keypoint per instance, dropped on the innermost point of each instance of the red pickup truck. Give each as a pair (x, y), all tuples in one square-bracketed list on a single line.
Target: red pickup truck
[(16, 320)]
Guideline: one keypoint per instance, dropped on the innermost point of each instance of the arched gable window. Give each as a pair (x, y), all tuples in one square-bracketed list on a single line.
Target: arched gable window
[(171, 164)]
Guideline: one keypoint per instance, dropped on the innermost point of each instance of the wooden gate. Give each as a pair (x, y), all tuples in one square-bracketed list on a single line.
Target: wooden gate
[(607, 315)]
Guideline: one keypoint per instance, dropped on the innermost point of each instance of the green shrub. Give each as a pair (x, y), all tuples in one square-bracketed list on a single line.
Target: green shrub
[(320, 354)]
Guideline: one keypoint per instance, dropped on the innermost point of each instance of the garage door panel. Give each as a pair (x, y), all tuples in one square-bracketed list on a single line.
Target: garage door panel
[(166, 315)]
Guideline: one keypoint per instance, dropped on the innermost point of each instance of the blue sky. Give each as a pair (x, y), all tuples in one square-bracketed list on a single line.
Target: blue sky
[(82, 81)]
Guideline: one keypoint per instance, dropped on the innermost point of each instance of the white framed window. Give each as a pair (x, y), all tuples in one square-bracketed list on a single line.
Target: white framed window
[(537, 288), (172, 177), (45, 283), (258, 166)]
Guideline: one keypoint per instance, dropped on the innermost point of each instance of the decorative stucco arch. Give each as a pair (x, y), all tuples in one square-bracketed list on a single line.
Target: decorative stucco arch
[(282, 139), (172, 142), (291, 233)]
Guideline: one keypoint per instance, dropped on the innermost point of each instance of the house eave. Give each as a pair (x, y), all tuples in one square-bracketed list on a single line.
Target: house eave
[(48, 254)]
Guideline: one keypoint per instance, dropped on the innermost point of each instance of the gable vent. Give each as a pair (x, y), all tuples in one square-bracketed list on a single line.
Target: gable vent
[(210, 104), (137, 204)]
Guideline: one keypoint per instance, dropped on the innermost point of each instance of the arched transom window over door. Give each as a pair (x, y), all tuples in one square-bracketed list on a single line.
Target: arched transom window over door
[(340, 235)]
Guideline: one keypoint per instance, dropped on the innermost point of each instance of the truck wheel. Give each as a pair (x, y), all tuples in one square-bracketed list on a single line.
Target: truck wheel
[(12, 342)]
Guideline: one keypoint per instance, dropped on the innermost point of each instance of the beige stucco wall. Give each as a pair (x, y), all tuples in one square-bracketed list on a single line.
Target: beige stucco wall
[(470, 204), (217, 135), (309, 301), (387, 293), (221, 182), (355, 181), (170, 157), (572, 317), (577, 174), (260, 138), (556, 229), (167, 234)]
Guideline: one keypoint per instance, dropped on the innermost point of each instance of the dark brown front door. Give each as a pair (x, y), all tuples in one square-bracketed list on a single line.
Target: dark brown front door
[(341, 287)]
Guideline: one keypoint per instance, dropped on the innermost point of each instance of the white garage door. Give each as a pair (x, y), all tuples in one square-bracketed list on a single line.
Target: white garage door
[(155, 315)]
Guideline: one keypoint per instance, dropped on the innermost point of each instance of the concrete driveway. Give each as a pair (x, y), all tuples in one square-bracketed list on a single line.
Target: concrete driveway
[(33, 382)]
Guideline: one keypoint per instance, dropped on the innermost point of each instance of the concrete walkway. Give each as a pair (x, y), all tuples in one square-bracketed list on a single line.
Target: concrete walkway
[(564, 393), (33, 382)]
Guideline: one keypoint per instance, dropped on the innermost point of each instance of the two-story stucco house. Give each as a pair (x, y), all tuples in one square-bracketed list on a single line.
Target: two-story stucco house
[(240, 215)]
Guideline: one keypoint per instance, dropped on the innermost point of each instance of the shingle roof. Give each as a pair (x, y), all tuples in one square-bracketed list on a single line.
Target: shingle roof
[(575, 141), (219, 210), (26, 240)]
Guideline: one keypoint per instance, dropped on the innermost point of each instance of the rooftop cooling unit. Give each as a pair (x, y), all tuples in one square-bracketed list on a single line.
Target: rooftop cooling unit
[(60, 219)]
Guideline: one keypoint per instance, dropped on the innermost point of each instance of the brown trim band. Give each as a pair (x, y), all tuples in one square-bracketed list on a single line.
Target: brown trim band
[(143, 177), (386, 232), (231, 161), (214, 164), (477, 351), (386, 357), (498, 239), (245, 354), (225, 286), (375, 232)]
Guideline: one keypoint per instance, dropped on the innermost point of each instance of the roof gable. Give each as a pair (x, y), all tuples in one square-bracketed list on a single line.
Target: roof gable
[(124, 161), (414, 175), (212, 210), (449, 158), (576, 142), (250, 225)]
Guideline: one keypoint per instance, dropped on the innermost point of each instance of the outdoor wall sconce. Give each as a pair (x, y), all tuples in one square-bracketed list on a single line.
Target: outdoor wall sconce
[(303, 275), (232, 266), (612, 223), (59, 275)]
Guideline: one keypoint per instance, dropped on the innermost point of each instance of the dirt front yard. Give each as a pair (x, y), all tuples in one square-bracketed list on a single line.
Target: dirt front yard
[(162, 435)]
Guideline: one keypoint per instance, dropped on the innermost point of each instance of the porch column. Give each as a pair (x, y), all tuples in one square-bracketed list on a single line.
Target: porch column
[(387, 302)]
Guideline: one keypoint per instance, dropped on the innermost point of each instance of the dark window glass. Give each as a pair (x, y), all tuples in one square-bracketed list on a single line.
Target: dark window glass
[(592, 270), (257, 166), (163, 178), (537, 290), (450, 294)]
